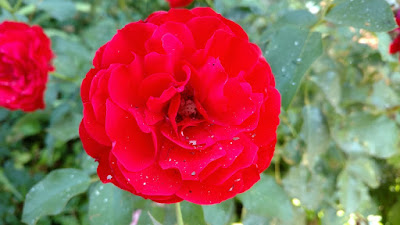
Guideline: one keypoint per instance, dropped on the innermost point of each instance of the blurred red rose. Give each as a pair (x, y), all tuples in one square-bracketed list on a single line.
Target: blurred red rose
[(25, 57), (179, 3), (395, 45), (180, 107)]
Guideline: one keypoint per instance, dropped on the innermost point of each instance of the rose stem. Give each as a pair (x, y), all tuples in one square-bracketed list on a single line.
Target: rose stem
[(178, 213)]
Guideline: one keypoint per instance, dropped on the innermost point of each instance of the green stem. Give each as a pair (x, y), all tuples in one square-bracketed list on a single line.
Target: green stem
[(324, 11), (94, 179), (178, 211), (277, 170), (306, 97)]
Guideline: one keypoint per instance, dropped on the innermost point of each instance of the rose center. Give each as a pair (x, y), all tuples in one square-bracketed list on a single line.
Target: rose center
[(187, 108)]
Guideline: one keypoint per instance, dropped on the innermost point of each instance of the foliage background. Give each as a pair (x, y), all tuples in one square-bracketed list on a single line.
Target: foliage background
[(337, 160)]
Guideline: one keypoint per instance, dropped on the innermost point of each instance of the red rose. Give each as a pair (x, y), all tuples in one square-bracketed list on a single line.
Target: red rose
[(180, 107), (25, 57), (179, 3), (395, 45)]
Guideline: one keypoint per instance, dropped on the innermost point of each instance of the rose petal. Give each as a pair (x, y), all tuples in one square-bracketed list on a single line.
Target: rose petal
[(158, 63), (265, 155), (133, 148), (205, 194), (269, 119), (175, 15), (91, 146), (189, 163), (238, 161), (178, 30), (260, 77), (236, 54), (93, 127), (123, 85), (203, 28), (126, 42), (148, 181)]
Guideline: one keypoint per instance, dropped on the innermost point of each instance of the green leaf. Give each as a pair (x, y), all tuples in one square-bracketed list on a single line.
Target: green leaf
[(290, 53), (155, 222), (28, 125), (66, 128), (73, 58), (219, 214), (384, 41), (87, 163), (329, 83), (251, 219), (364, 169), (50, 195), (4, 4), (58, 9), (3, 113), (372, 15), (110, 205), (310, 188), (8, 186), (98, 35), (301, 18), (66, 220), (192, 214), (383, 96), (362, 133), (266, 198), (314, 126), (331, 217), (394, 215), (352, 192)]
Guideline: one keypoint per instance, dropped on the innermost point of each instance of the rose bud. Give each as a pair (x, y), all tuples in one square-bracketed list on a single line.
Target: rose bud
[(179, 3)]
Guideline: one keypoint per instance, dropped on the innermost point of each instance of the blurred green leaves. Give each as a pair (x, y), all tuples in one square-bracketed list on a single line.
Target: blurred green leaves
[(49, 196), (58, 9), (362, 133), (372, 15), (308, 186), (314, 126)]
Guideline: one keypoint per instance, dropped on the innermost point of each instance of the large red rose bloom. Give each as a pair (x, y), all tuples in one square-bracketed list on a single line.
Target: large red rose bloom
[(25, 57), (179, 3), (180, 107)]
